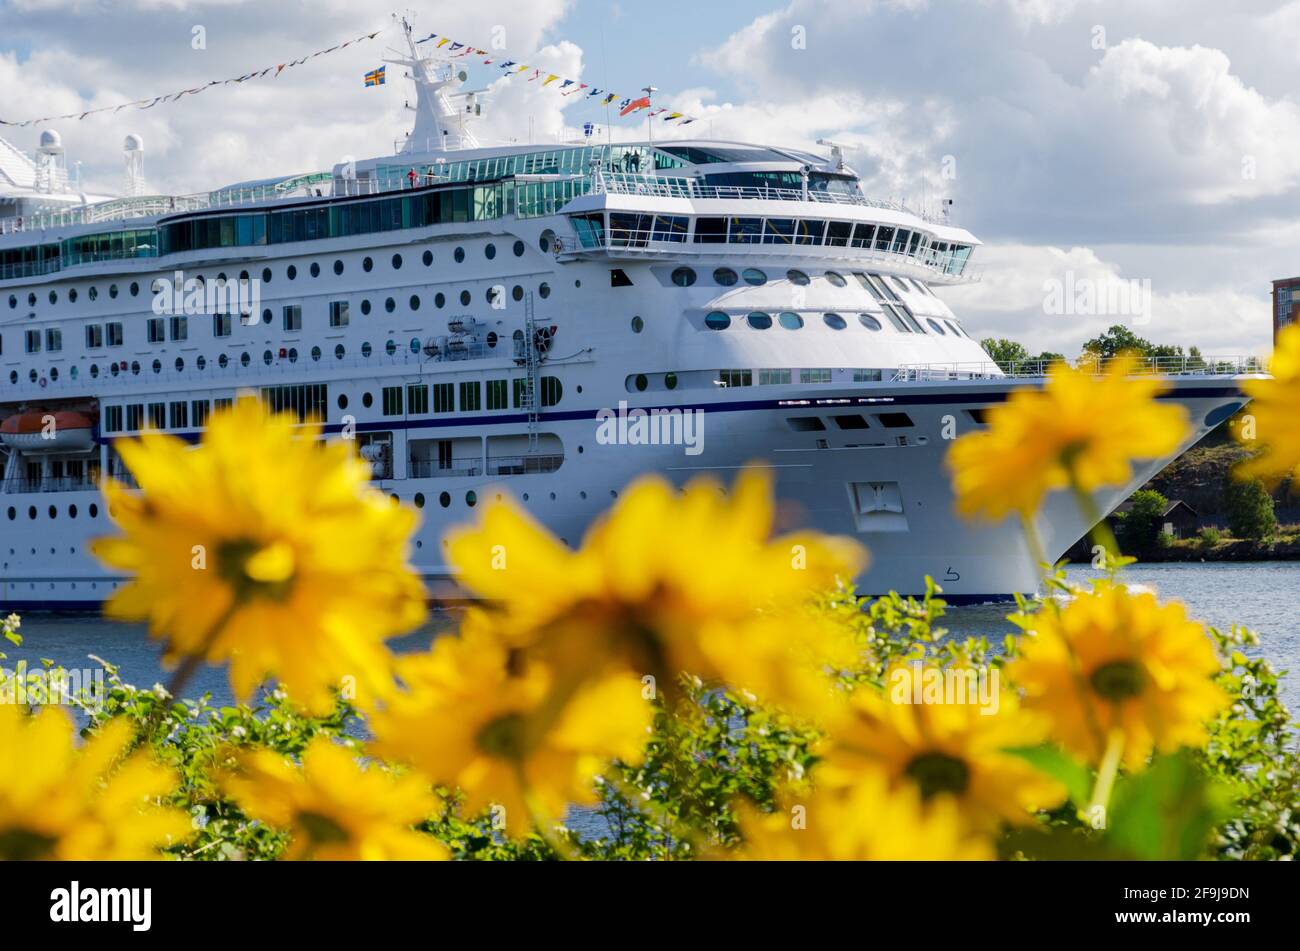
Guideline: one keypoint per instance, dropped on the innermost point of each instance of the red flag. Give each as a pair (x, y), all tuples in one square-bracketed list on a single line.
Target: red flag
[(635, 104)]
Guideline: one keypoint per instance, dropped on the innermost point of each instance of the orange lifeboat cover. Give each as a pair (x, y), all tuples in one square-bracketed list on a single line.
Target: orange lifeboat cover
[(34, 422)]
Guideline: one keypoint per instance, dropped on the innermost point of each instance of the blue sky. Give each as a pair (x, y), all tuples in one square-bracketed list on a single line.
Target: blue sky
[(1106, 139)]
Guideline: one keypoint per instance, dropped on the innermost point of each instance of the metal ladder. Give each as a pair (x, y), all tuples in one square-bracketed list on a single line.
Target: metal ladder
[(532, 364)]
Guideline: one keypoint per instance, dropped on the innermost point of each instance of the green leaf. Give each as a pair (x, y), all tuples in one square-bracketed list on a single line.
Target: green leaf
[(1165, 813), (1062, 767)]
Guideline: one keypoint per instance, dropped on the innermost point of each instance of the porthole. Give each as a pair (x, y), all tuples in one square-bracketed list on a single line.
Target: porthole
[(390, 305), (13, 374), (444, 499), (670, 382), (31, 300), (938, 328), (266, 316), (868, 321), (291, 273), (338, 266), (414, 302), (459, 255), (490, 251), (754, 277), (245, 359), (72, 296), (339, 351), (94, 510), (797, 277), (683, 276), (315, 269), (13, 514), (415, 342), (243, 278), (419, 500), (266, 275), (391, 347), (836, 278), (54, 297), (31, 514), (471, 498), (201, 362), (315, 353), (13, 301), (544, 290), (223, 361), (638, 325), (397, 262), (367, 264), (135, 367), (367, 400), (759, 320), (343, 401), (834, 321), (54, 513), (135, 289), (94, 371), (440, 300), (725, 276), (717, 321), (790, 321), (72, 511), (54, 371), (518, 292), (293, 354), (180, 364), (465, 298), (641, 382), (365, 306), (267, 357), (427, 258), (519, 249), (366, 350)]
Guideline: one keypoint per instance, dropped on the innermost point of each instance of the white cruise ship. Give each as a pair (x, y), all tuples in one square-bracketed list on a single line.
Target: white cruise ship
[(473, 316)]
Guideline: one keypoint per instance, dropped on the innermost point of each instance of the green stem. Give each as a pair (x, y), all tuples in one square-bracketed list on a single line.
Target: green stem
[(1099, 527), (1035, 546), (1106, 774)]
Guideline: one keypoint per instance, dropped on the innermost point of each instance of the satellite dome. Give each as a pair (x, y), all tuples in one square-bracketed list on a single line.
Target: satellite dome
[(51, 140), (133, 143)]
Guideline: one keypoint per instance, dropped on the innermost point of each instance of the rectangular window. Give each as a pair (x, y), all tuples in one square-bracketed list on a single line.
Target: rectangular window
[(443, 398), (815, 376), (178, 413), (221, 325), (32, 340), (417, 399), (53, 339), (199, 413), (135, 417), (496, 394), (520, 390), (158, 415), (180, 327), (307, 401), (222, 402), (866, 376), (114, 332), (94, 336), (736, 377), (292, 317), (470, 396), (338, 313), (155, 330), (551, 390), (112, 419), (773, 377), (392, 397)]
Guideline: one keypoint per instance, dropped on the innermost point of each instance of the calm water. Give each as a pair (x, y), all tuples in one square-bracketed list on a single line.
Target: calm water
[(1264, 596)]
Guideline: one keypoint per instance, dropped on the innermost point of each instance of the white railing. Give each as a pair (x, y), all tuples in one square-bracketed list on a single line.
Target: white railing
[(1158, 366)]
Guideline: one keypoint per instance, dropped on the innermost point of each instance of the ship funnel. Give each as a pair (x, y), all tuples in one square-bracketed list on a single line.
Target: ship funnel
[(133, 153)]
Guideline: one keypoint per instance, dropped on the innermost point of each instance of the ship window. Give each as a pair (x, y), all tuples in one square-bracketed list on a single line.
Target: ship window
[(199, 413), (519, 249), (838, 233), (497, 394), (746, 230), (683, 276), (397, 262), (338, 313), (417, 399), (760, 321), (736, 377), (32, 341), (544, 290), (390, 305), (178, 413), (490, 251), (617, 278), (725, 276), (754, 277), (245, 359), (895, 420), (465, 298), (427, 258), (392, 400), (797, 277), (717, 320), (339, 351), (638, 324), (315, 353), (884, 236), (790, 321), (223, 361), (459, 255), (201, 362), (834, 321), (815, 375), (338, 267), (291, 273), (805, 424), (440, 300), (158, 415), (471, 396), (292, 315), (552, 390), (94, 336), (267, 357), (836, 279), (868, 321), (710, 230), (53, 339), (367, 264), (936, 325), (180, 364), (444, 396), (366, 349), (850, 421), (315, 269)]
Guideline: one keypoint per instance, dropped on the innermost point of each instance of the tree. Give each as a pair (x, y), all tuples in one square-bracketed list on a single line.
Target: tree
[(1250, 510), (1115, 341), (1003, 350), (1140, 527)]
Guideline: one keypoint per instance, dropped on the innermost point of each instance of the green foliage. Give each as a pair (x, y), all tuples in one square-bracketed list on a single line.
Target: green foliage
[(1250, 511), (1003, 350), (1210, 536), (1140, 527)]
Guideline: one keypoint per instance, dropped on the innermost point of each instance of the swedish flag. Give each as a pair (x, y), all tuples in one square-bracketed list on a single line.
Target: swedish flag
[(376, 76)]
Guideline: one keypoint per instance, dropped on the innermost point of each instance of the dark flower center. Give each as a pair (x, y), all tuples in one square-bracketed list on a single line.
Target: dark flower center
[(503, 738), (1118, 680), (236, 564), (23, 845), (939, 773), (322, 829)]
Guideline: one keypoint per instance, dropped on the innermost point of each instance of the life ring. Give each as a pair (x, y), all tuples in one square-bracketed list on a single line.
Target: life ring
[(44, 382)]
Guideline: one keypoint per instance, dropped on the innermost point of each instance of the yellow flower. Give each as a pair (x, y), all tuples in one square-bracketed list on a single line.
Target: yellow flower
[(1273, 406), (58, 802), (941, 748), (1115, 660), (333, 809), (1079, 427), (659, 578), (866, 822), (267, 548), (486, 717)]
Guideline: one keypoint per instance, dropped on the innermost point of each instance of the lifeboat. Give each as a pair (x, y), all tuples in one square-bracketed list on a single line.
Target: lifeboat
[(43, 431)]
